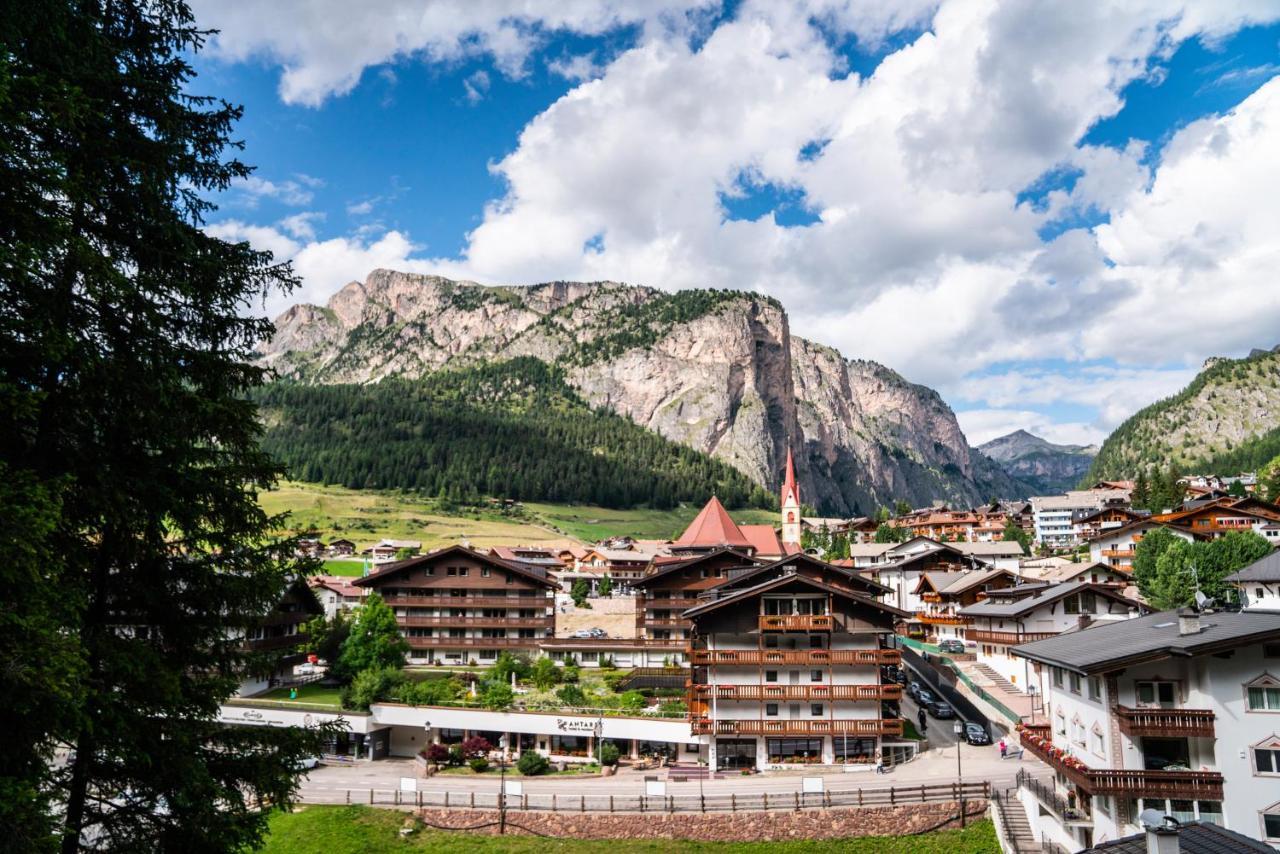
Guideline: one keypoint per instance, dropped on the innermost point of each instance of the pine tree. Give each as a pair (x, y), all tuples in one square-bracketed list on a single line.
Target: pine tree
[(1141, 497), (374, 641), (127, 444)]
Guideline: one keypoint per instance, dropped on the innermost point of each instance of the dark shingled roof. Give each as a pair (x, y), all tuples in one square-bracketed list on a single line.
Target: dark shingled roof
[(995, 607), (1194, 837), (1266, 569), (1108, 646)]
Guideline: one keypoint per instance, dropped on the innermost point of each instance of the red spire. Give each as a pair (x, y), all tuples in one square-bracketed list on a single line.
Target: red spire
[(789, 488)]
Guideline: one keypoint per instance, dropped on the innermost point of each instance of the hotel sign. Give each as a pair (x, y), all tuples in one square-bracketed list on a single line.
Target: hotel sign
[(578, 725)]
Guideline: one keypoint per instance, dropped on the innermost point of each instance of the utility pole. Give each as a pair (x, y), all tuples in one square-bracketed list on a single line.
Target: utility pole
[(959, 730), (502, 784)]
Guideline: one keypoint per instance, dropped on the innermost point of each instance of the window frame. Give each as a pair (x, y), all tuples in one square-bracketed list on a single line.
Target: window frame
[(1264, 683)]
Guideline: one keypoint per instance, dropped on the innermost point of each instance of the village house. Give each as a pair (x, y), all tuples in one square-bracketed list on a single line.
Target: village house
[(335, 593), (391, 549), (1116, 547), (1258, 584), (341, 548), (943, 594), (1174, 712)]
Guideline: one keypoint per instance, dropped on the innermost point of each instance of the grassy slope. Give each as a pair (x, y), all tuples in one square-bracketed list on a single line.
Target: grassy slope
[(365, 830), (367, 516)]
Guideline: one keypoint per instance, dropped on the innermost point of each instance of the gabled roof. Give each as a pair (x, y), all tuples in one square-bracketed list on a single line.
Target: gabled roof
[(1194, 837), (1265, 569), (954, 583), (763, 538), (1108, 646), (665, 566), (533, 573), (1046, 596), (783, 580), (736, 579), (712, 527), (340, 584)]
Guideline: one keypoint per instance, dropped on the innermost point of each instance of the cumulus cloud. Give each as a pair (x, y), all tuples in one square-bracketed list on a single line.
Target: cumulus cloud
[(983, 425), (325, 45), (295, 192)]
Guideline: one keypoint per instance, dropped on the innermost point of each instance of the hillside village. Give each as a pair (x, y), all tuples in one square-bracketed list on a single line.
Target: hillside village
[(828, 643)]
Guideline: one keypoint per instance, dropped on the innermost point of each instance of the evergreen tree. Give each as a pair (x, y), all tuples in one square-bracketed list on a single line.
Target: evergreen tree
[(887, 533), (901, 508), (126, 444), (604, 588), (579, 593), (1141, 496), (1174, 583), (1014, 534), (1146, 555), (1236, 489), (374, 642)]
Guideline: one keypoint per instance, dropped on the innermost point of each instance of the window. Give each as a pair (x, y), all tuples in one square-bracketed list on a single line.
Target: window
[(815, 641), (1271, 650), (1077, 732), (771, 676), (771, 710), (453, 570), (1155, 694), (1060, 724), (1102, 803), (1057, 677), (484, 572), (1099, 744), (462, 570), (795, 749), (1258, 593), (1095, 688), (1266, 760), (771, 641), (1271, 824), (1088, 602), (1263, 694), (1071, 605), (1075, 682), (815, 675), (815, 709)]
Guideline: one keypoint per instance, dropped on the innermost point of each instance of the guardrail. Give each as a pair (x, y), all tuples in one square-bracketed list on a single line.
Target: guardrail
[(893, 795)]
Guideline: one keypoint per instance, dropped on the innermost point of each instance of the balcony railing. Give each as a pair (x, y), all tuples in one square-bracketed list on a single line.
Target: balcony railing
[(798, 656), (933, 618), (680, 604), (1172, 723), (796, 623), (1006, 638), (1117, 552), (472, 601), (797, 692), (485, 643), (864, 727), (495, 622), (1135, 783), (931, 597), (665, 621)]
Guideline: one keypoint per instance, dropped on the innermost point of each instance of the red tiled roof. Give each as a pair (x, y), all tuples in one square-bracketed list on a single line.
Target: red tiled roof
[(713, 527), (763, 538)]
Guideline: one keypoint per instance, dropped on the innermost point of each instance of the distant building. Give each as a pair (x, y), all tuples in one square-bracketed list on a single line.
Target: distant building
[(335, 593), (341, 548), (1259, 584), (1057, 518), (391, 549)]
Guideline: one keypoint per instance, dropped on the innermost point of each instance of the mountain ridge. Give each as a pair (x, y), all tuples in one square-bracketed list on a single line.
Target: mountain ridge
[(716, 370), (1046, 467)]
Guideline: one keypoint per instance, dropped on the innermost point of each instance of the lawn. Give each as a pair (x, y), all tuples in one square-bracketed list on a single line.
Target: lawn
[(367, 516), (360, 829), (351, 568), (314, 695)]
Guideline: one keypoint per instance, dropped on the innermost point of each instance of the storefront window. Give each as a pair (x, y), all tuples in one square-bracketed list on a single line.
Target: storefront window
[(736, 753), (795, 750), (568, 745), (859, 750)]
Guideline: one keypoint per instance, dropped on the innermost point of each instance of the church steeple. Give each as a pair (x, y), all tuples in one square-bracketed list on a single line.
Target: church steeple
[(790, 504)]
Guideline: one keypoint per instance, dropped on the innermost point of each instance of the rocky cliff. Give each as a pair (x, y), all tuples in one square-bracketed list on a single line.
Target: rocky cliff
[(718, 371), (1045, 467)]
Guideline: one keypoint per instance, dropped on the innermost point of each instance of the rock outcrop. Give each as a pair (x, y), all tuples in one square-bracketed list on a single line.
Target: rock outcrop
[(718, 371), (1046, 467)]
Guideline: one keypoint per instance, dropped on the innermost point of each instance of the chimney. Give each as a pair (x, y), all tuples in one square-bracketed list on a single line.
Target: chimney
[(1085, 620), (1162, 840), (1188, 621)]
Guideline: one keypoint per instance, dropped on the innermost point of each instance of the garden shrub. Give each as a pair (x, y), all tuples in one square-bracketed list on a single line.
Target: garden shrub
[(532, 764), (608, 753), (479, 764), (437, 754)]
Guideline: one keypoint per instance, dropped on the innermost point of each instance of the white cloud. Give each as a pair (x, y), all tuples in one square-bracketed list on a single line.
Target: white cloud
[(361, 208), (295, 192), (983, 425), (325, 45), (301, 226), (476, 86)]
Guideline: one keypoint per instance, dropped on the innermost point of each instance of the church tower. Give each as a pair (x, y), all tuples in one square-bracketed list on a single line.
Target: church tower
[(790, 505)]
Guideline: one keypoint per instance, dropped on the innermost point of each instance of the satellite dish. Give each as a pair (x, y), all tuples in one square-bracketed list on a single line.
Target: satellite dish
[(1202, 600), (1155, 819)]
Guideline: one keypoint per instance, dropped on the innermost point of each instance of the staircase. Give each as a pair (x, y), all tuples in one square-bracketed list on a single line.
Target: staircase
[(1016, 829), (997, 680)]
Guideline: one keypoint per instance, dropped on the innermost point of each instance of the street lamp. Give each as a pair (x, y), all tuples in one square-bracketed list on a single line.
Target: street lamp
[(502, 783), (958, 729)]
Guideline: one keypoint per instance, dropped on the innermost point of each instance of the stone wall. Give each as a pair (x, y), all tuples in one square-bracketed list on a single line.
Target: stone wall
[(772, 826)]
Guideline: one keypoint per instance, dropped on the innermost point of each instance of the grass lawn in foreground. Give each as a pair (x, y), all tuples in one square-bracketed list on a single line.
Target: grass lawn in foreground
[(314, 695), (366, 830), (596, 523)]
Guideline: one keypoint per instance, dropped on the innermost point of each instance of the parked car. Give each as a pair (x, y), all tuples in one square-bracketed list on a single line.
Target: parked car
[(900, 677), (941, 710), (975, 734), (925, 699), (913, 690), (594, 632), (952, 645)]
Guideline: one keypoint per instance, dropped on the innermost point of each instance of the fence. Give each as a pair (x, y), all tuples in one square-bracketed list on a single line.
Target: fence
[(890, 796), (942, 681)]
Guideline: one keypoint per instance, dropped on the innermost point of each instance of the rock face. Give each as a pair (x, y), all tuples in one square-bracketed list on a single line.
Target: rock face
[(1046, 467), (718, 371)]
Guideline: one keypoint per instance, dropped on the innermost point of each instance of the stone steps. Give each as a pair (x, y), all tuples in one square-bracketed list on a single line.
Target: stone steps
[(1016, 825), (997, 680)]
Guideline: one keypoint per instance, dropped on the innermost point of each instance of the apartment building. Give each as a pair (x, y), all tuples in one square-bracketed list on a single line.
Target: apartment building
[(674, 586), (456, 604), (1056, 518), (788, 668), (1177, 712), (1016, 615), (1117, 546), (944, 594)]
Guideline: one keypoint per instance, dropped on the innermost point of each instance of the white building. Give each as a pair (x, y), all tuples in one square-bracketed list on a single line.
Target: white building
[(1055, 517), (335, 593), (1177, 712), (1029, 612), (1117, 547), (1259, 584)]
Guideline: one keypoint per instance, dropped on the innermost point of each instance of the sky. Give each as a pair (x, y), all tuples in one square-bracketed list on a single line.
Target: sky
[(1051, 212)]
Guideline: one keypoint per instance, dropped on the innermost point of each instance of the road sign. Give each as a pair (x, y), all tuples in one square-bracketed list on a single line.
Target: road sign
[(655, 788), (514, 788), (408, 784), (811, 785)]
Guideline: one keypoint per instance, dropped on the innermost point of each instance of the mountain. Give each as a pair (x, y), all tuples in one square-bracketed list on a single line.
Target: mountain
[(716, 371), (1045, 467), (1227, 420)]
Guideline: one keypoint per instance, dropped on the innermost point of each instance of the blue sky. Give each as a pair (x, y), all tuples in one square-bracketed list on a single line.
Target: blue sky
[(1013, 205)]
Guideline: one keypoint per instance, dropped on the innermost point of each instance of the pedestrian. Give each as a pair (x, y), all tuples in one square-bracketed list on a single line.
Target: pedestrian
[(880, 769), (923, 718), (1004, 749)]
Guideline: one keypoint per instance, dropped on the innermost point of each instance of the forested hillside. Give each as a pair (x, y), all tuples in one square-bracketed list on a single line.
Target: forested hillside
[(513, 429), (1221, 423)]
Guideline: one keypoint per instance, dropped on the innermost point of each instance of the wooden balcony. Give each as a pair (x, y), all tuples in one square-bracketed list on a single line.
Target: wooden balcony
[(489, 622), (482, 643), (276, 642), (674, 604), (1133, 783), (1118, 553), (797, 623), (472, 601), (796, 656), (1171, 723), (1005, 638), (666, 622), (931, 618), (931, 597), (817, 726), (797, 692)]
